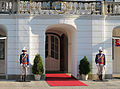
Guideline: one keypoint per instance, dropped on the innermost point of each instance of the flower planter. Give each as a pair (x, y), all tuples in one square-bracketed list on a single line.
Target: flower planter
[(84, 77), (37, 77)]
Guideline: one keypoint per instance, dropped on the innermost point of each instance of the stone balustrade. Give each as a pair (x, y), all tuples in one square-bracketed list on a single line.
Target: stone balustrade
[(56, 7), (112, 8), (60, 7)]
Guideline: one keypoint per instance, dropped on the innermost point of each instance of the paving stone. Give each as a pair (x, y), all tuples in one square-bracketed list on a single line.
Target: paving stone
[(111, 84)]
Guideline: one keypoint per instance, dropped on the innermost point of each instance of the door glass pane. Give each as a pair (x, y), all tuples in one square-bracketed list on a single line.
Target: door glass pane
[(2, 49), (56, 56), (52, 46), (46, 47), (56, 48)]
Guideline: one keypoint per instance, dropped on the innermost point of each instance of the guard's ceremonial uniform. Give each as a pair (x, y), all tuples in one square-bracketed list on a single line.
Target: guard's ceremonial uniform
[(24, 59), (100, 59), (100, 62), (24, 62)]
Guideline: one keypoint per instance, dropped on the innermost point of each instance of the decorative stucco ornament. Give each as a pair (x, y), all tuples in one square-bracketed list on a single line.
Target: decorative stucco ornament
[(63, 4)]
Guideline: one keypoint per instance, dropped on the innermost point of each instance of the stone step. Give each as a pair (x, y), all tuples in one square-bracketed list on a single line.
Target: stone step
[(115, 75)]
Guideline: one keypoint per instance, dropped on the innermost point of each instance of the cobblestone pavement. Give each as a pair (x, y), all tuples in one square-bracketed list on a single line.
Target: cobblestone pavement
[(110, 84)]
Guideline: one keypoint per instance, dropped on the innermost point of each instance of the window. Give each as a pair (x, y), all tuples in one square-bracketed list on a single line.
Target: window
[(46, 47), (52, 46), (56, 48), (2, 50), (50, 6)]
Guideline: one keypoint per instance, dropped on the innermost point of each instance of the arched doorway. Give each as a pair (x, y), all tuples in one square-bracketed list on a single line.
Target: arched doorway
[(116, 50), (2, 49), (59, 49), (56, 51)]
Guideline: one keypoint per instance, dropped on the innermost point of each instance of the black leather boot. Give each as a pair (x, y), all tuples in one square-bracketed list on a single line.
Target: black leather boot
[(100, 77), (24, 78)]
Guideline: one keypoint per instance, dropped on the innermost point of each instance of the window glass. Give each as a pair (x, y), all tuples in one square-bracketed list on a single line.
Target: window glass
[(46, 47), (50, 6), (56, 56), (2, 49), (52, 46), (56, 48)]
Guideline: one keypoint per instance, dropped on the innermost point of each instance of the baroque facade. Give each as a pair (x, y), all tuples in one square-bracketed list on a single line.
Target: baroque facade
[(62, 32)]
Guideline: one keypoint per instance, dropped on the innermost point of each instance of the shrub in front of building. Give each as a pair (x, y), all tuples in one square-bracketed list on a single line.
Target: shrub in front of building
[(38, 65), (84, 66)]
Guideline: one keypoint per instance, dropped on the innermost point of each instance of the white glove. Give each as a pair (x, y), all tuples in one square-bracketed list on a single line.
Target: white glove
[(104, 66), (28, 66), (21, 64), (97, 64)]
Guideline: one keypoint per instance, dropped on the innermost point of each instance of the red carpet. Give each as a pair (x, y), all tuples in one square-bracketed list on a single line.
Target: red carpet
[(62, 80)]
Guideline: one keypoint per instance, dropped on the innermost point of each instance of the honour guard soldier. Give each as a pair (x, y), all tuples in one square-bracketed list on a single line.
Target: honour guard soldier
[(24, 62), (100, 62)]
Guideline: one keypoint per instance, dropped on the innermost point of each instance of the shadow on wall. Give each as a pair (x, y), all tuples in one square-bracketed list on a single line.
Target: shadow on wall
[(38, 33)]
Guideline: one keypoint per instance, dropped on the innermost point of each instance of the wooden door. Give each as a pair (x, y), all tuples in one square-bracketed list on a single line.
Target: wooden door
[(52, 53)]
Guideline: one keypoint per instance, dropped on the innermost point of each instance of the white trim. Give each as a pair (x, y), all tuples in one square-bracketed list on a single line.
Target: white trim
[(3, 38)]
